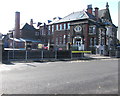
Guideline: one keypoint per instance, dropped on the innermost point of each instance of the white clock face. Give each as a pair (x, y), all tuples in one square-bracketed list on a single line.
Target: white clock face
[(78, 28)]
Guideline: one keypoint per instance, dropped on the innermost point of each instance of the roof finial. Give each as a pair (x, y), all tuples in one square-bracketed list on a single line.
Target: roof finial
[(107, 6)]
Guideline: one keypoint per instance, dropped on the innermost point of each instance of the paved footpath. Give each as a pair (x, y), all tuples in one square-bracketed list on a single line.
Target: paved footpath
[(97, 56), (21, 64)]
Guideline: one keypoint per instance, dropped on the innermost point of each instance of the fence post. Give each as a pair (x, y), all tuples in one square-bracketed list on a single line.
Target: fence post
[(13, 53), (26, 55), (8, 56), (71, 54), (55, 54), (82, 55), (42, 54)]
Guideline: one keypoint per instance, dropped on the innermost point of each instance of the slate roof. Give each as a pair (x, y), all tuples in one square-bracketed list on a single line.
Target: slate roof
[(28, 27), (80, 15), (73, 16)]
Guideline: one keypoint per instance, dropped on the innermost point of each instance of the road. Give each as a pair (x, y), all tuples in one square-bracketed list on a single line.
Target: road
[(61, 77)]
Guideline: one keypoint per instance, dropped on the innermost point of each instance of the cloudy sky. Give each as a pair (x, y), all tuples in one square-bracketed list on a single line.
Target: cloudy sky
[(43, 10)]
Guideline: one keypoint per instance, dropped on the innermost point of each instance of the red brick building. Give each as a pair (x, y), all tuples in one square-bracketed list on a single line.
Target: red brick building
[(84, 30)]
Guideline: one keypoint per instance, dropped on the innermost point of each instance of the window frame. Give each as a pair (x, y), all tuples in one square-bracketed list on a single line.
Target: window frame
[(68, 26)]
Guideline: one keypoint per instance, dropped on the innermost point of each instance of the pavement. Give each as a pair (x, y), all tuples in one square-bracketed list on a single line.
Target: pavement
[(96, 56)]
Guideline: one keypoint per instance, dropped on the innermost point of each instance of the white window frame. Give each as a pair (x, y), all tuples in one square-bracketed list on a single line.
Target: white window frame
[(57, 27), (64, 26), (92, 29), (60, 26), (68, 26), (49, 27), (64, 39), (52, 29)]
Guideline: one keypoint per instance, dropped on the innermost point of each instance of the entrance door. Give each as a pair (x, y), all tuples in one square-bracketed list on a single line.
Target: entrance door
[(79, 43)]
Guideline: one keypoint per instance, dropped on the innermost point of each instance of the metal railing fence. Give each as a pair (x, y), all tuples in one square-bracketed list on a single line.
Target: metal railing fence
[(25, 55)]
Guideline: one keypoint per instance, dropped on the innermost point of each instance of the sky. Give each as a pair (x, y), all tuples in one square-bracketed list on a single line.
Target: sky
[(43, 10)]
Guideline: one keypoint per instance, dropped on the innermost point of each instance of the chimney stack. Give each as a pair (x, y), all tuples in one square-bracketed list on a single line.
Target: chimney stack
[(17, 25), (89, 8), (31, 22), (96, 12)]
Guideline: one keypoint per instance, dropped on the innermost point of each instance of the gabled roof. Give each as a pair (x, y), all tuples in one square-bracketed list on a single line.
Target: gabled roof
[(80, 15), (74, 16), (28, 27), (104, 14)]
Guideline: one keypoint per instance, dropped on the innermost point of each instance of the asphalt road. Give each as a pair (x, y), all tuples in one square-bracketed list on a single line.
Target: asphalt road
[(62, 77)]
